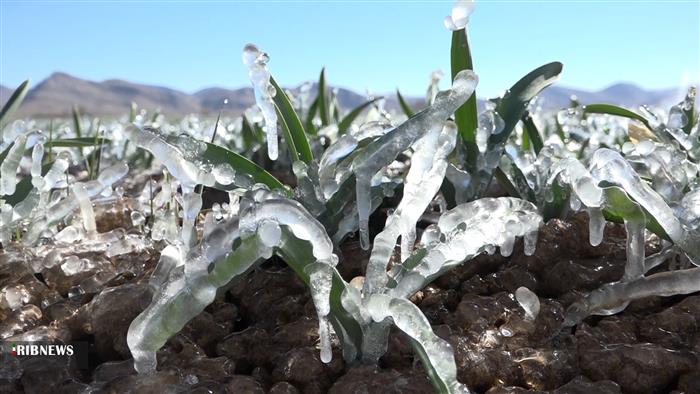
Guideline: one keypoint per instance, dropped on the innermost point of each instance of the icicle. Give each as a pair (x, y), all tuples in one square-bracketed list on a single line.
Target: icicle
[(528, 301), (634, 268), (320, 282), (191, 205), (256, 61), (8, 168), (596, 226), (375, 156)]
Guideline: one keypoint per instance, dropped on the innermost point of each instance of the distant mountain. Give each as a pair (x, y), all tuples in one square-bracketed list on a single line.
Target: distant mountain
[(623, 94), (56, 95)]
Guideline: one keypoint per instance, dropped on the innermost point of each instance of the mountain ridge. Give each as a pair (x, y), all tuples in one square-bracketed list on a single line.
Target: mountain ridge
[(56, 95)]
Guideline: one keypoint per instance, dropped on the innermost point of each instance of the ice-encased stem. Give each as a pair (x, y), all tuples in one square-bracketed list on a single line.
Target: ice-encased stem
[(436, 353), (189, 174), (178, 301), (9, 166), (385, 149), (428, 167), (612, 298), (609, 166), (256, 61)]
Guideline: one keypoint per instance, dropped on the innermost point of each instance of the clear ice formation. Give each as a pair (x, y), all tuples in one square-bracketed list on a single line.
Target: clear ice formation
[(464, 232), (428, 167), (9, 166), (459, 17), (185, 285), (386, 148), (173, 157), (528, 301), (256, 61), (408, 318), (56, 212)]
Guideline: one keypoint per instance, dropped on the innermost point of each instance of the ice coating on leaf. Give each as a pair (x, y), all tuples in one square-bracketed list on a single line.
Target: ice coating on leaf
[(570, 171), (214, 246), (188, 173), (9, 166), (614, 297), (468, 230), (428, 167), (408, 318), (192, 280), (332, 171), (459, 17), (528, 301), (385, 149), (256, 61), (608, 165), (86, 211)]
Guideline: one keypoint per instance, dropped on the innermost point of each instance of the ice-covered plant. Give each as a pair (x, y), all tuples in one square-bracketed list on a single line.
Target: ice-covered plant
[(653, 186)]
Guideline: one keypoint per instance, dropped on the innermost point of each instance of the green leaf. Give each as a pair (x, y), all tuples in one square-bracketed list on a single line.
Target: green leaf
[(313, 108), (292, 124), (250, 137), (218, 155), (530, 129), (321, 97), (466, 116), (690, 112), (350, 117), (513, 105), (291, 147), (617, 111), (13, 102), (405, 107), (76, 122)]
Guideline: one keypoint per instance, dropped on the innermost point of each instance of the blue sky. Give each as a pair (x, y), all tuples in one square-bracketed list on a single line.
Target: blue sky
[(380, 45)]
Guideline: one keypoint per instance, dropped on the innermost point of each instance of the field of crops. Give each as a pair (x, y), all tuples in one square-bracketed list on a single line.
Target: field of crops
[(305, 247)]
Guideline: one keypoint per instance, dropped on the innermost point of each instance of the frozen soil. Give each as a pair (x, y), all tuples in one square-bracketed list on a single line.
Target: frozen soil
[(261, 335)]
